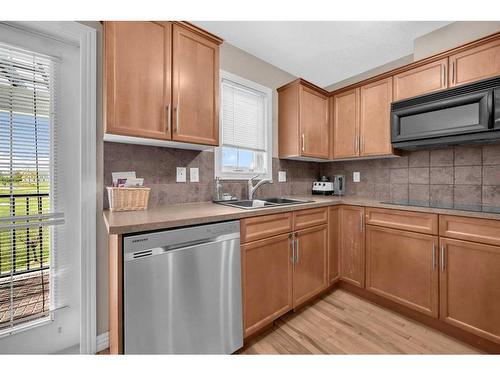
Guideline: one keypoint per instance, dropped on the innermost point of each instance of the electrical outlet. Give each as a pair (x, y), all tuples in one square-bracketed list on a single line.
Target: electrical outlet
[(356, 177), (181, 174), (281, 176), (194, 175)]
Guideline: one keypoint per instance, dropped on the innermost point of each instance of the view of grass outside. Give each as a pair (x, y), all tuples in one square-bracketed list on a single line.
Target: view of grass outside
[(23, 191)]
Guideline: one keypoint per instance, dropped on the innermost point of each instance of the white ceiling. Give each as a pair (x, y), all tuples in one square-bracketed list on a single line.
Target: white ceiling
[(323, 52)]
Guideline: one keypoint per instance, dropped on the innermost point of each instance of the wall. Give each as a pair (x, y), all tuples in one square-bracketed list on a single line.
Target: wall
[(157, 166), (460, 177), (451, 36), (241, 63)]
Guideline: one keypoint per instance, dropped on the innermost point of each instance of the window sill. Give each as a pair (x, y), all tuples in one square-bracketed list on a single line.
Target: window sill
[(26, 326)]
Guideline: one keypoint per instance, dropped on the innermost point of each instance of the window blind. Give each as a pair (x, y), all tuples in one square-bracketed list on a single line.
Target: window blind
[(27, 236), (243, 117)]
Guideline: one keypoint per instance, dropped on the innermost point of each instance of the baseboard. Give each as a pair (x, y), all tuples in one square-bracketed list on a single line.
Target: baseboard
[(102, 342)]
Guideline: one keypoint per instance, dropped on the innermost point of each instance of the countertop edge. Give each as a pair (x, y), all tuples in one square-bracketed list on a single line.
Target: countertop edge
[(236, 213)]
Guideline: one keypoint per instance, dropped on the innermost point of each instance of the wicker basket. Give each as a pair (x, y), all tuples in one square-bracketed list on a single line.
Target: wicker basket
[(128, 199)]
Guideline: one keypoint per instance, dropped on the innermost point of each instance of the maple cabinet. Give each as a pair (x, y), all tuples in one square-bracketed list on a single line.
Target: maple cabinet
[(470, 287), (137, 58), (282, 271), (361, 121), (421, 80), (334, 232), (310, 267), (352, 246), (375, 123), (303, 121), (266, 281), (403, 266), (474, 64), (161, 81), (345, 124)]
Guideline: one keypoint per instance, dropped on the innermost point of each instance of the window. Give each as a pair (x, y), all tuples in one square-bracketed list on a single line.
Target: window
[(246, 129), (26, 169)]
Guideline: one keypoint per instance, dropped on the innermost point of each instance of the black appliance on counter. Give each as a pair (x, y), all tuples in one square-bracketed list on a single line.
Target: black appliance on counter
[(460, 115)]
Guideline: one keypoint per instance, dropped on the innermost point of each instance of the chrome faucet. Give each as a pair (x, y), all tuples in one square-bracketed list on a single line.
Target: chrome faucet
[(252, 188)]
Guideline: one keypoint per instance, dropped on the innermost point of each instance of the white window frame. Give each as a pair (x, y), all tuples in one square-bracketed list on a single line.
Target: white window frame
[(225, 175)]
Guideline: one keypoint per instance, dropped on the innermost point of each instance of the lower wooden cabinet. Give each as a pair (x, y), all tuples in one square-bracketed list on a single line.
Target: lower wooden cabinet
[(310, 267), (470, 287), (403, 266), (266, 281), (333, 243), (352, 246)]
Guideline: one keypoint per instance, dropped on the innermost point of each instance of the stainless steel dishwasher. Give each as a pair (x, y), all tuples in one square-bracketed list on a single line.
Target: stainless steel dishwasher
[(182, 291)]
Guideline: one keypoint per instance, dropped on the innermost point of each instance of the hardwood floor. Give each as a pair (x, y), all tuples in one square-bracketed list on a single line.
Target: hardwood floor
[(341, 323)]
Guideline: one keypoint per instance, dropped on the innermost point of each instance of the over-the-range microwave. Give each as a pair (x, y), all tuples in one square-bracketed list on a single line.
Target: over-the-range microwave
[(461, 115)]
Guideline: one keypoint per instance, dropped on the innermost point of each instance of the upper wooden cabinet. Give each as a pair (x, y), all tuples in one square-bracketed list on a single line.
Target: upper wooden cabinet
[(161, 81), (195, 88), (303, 121), (352, 245), (345, 124), (476, 63), (375, 124), (137, 58), (421, 80)]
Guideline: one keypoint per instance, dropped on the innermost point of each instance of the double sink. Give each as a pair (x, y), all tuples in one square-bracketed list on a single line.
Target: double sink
[(248, 204)]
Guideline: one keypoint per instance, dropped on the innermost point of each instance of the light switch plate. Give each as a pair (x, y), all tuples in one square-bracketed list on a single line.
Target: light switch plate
[(281, 176), (356, 177), (194, 175), (181, 174)]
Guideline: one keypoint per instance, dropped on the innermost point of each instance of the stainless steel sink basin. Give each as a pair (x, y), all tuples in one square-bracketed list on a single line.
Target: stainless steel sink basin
[(262, 203)]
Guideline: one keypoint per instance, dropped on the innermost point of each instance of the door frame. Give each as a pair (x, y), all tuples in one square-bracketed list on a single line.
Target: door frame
[(85, 37)]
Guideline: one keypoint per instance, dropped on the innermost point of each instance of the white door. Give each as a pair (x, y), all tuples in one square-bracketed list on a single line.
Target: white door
[(40, 169)]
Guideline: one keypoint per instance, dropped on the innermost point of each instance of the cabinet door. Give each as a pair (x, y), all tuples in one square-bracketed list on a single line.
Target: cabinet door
[(375, 124), (346, 124), (309, 273), (352, 246), (403, 266), (195, 88), (137, 59), (313, 123), (475, 64), (333, 243), (422, 80), (266, 280), (470, 287)]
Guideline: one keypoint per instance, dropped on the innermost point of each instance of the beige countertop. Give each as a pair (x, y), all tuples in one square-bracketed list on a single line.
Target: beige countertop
[(178, 215)]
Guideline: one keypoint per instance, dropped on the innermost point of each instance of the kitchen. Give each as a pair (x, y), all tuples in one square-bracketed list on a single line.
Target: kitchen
[(416, 187), (261, 187)]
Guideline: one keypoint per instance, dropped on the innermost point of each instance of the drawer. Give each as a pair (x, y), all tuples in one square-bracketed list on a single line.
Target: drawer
[(420, 222), (259, 227), (470, 229), (310, 218)]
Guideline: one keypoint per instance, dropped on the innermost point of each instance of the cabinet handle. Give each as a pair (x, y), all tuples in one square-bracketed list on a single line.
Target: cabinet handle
[(292, 242), (177, 124), (444, 76), (303, 142), (453, 72), (296, 248), (443, 248), (168, 117), (361, 223), (361, 144), (433, 256)]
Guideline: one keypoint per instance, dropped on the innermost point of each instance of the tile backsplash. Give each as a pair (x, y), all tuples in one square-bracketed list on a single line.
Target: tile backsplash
[(157, 166), (460, 177)]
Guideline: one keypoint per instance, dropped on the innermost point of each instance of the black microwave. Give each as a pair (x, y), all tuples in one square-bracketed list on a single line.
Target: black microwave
[(461, 115)]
